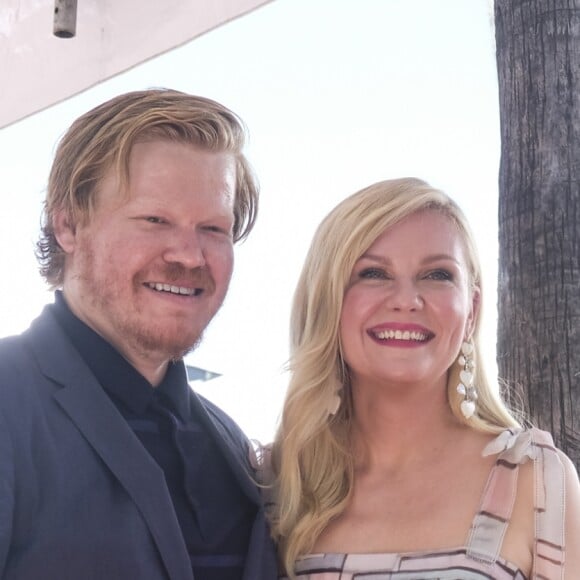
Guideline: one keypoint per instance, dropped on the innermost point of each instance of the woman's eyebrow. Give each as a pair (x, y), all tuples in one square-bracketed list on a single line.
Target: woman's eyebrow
[(426, 260)]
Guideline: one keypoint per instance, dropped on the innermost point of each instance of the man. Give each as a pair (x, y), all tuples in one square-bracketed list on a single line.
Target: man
[(111, 467)]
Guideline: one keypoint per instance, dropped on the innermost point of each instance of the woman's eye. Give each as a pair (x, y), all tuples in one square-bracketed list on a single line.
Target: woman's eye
[(443, 275), (373, 274)]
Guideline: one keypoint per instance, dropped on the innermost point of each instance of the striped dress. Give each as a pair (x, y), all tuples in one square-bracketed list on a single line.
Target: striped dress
[(479, 559)]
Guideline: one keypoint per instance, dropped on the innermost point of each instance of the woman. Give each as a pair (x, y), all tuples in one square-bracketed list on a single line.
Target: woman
[(395, 457)]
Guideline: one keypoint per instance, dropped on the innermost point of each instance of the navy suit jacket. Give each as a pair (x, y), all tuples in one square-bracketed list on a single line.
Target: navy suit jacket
[(80, 497)]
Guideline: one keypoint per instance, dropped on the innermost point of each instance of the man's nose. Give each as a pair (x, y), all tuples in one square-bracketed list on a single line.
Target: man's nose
[(186, 247)]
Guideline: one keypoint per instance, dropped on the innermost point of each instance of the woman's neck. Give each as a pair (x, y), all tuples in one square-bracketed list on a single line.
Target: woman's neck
[(396, 426)]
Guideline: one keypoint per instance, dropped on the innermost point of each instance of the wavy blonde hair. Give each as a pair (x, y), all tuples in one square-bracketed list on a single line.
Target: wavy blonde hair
[(311, 453), (103, 138)]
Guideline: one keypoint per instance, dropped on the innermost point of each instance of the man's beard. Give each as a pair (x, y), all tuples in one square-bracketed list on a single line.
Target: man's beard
[(137, 331)]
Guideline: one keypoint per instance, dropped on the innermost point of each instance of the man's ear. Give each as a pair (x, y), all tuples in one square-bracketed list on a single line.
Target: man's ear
[(475, 306), (64, 231)]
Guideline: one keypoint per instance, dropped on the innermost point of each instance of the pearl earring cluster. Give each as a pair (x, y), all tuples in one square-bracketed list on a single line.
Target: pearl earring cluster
[(466, 387)]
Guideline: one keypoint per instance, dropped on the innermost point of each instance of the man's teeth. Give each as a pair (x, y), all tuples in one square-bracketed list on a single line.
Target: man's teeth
[(401, 335), (173, 289)]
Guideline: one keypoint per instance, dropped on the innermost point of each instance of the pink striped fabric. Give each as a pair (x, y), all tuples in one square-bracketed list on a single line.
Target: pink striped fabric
[(480, 558)]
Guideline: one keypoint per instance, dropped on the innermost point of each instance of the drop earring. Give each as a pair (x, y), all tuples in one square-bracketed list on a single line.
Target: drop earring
[(334, 404), (466, 387)]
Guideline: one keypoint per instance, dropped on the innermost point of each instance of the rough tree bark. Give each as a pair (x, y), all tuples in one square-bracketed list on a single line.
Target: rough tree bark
[(538, 58)]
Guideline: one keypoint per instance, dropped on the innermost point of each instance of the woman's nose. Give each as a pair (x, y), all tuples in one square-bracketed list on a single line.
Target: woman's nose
[(404, 295)]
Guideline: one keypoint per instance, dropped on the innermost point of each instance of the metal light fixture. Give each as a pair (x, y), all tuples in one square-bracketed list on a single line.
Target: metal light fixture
[(65, 18)]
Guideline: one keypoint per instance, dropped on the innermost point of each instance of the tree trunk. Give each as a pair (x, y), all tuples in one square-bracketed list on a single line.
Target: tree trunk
[(538, 58)]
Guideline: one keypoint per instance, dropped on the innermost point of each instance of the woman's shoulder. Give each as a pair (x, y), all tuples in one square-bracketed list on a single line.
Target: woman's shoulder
[(548, 481)]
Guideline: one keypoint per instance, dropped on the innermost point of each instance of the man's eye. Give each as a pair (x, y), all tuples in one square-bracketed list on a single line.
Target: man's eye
[(154, 219), (219, 229)]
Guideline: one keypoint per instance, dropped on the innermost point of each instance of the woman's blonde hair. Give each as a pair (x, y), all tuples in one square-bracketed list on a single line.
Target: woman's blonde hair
[(311, 455)]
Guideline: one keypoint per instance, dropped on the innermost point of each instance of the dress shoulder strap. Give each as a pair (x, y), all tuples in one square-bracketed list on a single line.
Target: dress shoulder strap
[(497, 502), (514, 447)]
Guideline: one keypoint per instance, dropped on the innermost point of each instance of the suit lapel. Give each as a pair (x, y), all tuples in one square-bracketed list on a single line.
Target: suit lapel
[(91, 410), (236, 456)]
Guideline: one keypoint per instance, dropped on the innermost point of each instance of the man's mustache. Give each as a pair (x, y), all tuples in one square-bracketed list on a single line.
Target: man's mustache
[(175, 273)]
